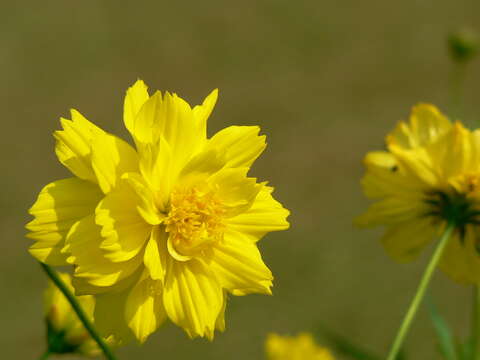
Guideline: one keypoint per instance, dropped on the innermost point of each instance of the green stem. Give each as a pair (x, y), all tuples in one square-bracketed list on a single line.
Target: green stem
[(45, 355), (456, 89), (79, 311), (476, 322), (422, 287)]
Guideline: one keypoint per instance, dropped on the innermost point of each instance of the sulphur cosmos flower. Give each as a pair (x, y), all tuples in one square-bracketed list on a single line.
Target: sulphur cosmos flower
[(166, 230), (66, 333), (428, 176), (300, 347)]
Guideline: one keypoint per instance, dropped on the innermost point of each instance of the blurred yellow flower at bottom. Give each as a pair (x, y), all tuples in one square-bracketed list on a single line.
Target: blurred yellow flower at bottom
[(66, 333), (300, 347)]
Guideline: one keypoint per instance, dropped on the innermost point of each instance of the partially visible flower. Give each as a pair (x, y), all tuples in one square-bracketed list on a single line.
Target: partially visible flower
[(166, 230), (428, 176), (66, 333), (300, 347)]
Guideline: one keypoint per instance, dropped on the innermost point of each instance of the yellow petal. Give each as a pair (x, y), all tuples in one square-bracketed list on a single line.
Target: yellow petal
[(426, 125), (155, 258), (192, 297), (202, 112), (156, 166), (125, 232), (73, 147), (266, 214), (91, 262), (220, 323), (169, 117), (144, 310), (201, 166), (136, 96), (239, 267), (111, 158), (241, 144), (384, 177), (418, 164), (392, 210), (300, 347), (405, 241), (236, 191), (59, 205), (461, 258), (453, 153), (146, 198), (110, 318)]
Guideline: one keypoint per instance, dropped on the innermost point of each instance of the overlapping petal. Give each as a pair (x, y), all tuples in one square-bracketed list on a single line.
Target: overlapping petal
[(124, 230), (92, 263), (73, 146), (461, 258), (136, 96), (265, 215), (237, 191), (59, 205), (155, 258), (202, 112), (110, 318), (239, 267), (426, 124), (111, 158), (241, 144), (192, 297), (384, 177), (404, 241), (144, 310)]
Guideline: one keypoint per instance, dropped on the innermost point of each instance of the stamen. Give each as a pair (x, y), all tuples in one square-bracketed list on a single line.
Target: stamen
[(195, 219)]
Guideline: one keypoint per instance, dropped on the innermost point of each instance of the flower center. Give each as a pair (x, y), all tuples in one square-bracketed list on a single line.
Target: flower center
[(194, 220)]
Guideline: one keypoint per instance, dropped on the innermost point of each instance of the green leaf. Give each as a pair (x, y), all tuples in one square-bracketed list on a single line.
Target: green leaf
[(343, 346), (444, 335)]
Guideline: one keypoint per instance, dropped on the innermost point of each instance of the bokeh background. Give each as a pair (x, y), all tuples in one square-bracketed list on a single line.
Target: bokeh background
[(324, 79)]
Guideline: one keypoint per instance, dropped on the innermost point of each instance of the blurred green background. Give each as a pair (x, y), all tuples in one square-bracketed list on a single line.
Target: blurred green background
[(324, 79)]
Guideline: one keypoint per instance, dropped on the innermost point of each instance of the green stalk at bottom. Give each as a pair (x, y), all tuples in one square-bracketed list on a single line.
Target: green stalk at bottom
[(79, 311), (419, 295)]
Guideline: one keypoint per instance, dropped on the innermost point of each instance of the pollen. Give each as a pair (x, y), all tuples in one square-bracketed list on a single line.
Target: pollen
[(195, 220)]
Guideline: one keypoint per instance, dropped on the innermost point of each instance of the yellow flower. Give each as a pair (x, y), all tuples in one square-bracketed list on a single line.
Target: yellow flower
[(65, 331), (428, 176), (166, 230), (300, 347)]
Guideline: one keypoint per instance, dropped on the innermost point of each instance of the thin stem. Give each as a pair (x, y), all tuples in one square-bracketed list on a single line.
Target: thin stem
[(45, 355), (457, 84), (79, 311), (422, 287), (475, 322)]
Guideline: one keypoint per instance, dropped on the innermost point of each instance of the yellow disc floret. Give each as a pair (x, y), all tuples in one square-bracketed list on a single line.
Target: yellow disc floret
[(195, 219)]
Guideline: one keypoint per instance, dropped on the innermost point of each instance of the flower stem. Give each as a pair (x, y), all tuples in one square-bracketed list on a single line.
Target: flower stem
[(475, 322), (45, 355), (422, 287), (79, 311), (456, 89)]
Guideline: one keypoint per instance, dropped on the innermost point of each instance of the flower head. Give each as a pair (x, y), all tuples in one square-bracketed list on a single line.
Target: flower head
[(428, 177), (166, 230), (300, 347), (65, 331), (463, 45)]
